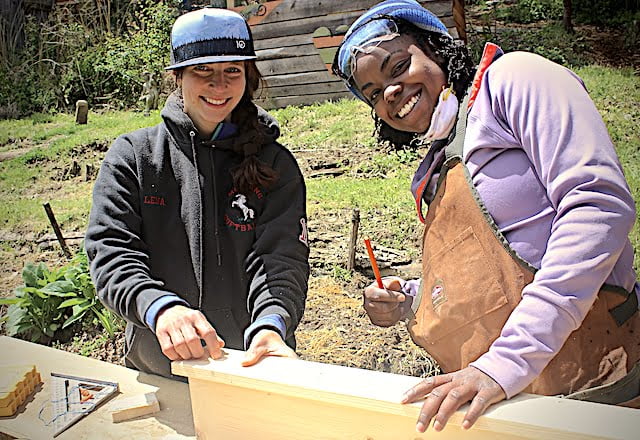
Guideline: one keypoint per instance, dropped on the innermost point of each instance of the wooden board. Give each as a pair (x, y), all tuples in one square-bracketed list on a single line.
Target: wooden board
[(279, 102), (300, 78), (278, 53), (317, 88), (292, 399), (293, 10), (127, 408), (284, 43), (307, 63), (173, 421)]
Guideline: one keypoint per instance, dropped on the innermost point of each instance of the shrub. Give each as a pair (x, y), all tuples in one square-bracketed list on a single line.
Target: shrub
[(531, 11), (86, 53), (551, 41), (604, 12), (51, 301)]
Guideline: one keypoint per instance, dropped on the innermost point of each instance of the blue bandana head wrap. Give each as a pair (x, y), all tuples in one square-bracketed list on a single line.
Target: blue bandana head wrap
[(377, 22)]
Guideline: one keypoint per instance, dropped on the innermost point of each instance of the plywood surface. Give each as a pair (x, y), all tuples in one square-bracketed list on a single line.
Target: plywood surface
[(174, 421), (296, 389)]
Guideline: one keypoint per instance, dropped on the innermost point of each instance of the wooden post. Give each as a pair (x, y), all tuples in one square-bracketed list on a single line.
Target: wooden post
[(82, 111), (56, 229), (459, 19), (291, 399), (353, 243)]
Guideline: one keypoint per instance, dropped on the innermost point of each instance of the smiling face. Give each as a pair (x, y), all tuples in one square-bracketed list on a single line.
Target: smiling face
[(211, 92), (401, 83)]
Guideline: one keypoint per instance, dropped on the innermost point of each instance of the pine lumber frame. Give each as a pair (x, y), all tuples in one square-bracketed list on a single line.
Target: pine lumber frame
[(293, 399)]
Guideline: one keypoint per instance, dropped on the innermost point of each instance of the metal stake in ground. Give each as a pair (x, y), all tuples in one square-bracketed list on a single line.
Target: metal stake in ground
[(56, 229)]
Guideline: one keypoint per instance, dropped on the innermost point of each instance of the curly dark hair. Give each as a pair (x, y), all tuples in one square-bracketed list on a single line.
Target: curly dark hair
[(453, 58)]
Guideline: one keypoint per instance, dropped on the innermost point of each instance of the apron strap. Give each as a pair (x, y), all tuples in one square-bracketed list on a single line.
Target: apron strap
[(624, 311), (453, 146), (456, 143)]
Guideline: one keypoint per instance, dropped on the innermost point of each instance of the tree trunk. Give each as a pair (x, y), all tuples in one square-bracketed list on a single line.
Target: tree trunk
[(566, 17)]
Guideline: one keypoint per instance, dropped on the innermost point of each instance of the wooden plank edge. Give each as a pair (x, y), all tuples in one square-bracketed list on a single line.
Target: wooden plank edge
[(526, 416)]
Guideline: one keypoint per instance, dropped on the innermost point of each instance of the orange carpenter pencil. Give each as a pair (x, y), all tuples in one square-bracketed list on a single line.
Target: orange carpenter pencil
[(374, 264)]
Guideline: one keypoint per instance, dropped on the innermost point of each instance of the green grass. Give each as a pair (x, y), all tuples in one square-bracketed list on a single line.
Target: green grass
[(55, 133), (366, 194), (377, 184), (33, 178), (616, 93), (386, 206), (321, 126)]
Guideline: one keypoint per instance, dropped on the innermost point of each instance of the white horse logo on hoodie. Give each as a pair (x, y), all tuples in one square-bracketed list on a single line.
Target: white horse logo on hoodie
[(240, 201)]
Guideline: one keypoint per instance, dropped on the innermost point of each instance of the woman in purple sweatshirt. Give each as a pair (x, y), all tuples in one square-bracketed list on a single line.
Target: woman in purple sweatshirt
[(528, 281)]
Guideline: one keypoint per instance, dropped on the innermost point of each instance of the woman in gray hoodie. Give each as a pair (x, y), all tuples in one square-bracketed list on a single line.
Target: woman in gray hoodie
[(197, 235)]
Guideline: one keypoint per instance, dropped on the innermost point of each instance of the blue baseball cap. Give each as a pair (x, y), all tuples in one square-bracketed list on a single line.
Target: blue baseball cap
[(375, 24), (210, 35)]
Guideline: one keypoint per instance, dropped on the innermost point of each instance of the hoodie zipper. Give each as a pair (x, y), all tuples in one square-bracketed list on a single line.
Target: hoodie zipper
[(192, 135), (215, 205)]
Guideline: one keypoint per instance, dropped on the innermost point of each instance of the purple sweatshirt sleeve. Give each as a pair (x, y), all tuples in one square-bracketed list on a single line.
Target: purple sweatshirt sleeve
[(547, 110)]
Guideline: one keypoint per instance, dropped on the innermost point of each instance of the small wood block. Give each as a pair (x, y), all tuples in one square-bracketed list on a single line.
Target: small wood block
[(17, 382), (135, 406)]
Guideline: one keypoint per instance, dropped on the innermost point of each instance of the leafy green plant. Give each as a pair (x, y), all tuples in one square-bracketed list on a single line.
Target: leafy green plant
[(34, 311), (531, 11), (84, 298), (52, 300)]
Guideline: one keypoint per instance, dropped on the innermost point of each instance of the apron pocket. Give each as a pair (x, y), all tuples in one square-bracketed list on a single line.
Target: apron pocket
[(460, 286)]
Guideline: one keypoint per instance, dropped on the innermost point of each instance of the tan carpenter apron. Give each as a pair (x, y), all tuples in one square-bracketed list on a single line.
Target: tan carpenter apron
[(472, 281)]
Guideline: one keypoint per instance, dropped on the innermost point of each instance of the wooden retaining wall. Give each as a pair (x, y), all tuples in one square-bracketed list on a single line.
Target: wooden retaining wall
[(294, 70)]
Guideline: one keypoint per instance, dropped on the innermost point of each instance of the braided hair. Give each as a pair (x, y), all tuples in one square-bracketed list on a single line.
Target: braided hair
[(450, 55), (251, 172)]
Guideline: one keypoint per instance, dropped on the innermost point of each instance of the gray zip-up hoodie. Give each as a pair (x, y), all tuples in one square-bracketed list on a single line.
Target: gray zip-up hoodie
[(167, 220)]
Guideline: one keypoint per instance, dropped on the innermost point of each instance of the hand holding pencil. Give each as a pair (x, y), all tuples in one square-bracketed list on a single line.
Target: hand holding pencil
[(383, 299)]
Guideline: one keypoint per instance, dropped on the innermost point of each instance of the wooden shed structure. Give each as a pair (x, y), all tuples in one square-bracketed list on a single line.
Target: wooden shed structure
[(293, 62)]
